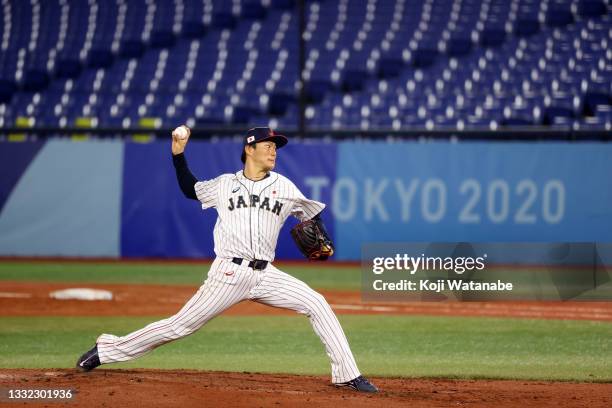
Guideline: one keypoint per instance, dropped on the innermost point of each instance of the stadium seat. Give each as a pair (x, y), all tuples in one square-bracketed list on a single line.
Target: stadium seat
[(434, 64)]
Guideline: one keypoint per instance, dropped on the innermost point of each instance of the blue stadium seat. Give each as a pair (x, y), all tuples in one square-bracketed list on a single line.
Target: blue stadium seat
[(388, 64)]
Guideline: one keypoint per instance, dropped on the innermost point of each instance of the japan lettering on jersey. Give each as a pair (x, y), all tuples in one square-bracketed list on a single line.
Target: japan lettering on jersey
[(251, 213)]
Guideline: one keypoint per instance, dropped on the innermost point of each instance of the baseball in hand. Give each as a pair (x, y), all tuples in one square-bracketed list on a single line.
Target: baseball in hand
[(181, 132)]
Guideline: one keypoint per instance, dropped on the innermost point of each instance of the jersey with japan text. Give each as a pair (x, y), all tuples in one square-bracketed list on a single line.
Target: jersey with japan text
[(251, 213)]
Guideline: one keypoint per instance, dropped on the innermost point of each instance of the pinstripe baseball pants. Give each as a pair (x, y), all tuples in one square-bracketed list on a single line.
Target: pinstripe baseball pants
[(226, 285)]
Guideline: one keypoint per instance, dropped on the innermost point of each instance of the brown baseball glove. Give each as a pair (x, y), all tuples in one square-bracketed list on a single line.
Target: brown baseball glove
[(312, 240)]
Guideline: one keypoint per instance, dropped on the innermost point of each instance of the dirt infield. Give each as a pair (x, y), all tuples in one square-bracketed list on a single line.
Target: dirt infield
[(184, 388), (32, 299)]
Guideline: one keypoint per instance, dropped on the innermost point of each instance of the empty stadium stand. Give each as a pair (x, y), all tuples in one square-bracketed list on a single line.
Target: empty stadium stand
[(369, 64)]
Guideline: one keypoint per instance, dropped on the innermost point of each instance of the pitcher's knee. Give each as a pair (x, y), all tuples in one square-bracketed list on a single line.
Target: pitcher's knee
[(180, 328), (317, 304)]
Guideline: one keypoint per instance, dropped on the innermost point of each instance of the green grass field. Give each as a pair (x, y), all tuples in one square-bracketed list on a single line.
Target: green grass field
[(321, 276), (408, 346)]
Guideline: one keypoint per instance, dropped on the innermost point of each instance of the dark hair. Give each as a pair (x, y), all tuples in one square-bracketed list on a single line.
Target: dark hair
[(243, 156)]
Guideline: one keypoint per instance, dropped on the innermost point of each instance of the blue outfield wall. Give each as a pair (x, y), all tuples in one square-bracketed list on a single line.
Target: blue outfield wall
[(109, 198), (66, 201), (479, 192)]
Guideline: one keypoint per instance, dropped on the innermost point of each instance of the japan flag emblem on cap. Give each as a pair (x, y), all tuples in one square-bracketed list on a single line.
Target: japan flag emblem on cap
[(250, 139)]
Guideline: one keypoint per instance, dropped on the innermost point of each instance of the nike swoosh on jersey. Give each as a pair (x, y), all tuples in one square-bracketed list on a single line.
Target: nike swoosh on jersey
[(236, 189)]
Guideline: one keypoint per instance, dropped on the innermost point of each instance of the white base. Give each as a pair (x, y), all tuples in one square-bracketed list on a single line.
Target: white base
[(82, 294)]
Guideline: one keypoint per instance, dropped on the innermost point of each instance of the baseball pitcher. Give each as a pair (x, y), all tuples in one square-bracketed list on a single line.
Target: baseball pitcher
[(252, 205)]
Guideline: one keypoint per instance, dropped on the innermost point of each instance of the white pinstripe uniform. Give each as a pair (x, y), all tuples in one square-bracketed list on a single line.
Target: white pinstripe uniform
[(250, 216)]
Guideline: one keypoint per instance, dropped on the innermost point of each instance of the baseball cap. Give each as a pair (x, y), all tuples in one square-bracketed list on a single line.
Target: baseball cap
[(261, 134)]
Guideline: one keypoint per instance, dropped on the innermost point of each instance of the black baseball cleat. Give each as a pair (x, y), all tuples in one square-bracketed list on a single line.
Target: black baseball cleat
[(89, 360), (359, 384)]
